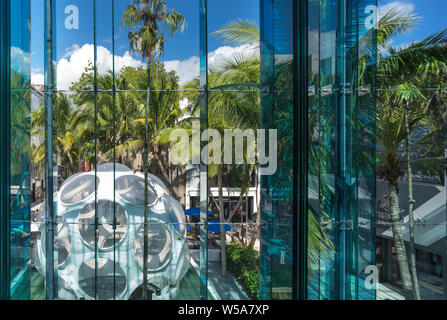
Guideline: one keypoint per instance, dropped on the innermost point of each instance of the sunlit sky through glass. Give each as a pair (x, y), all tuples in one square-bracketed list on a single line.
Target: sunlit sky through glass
[(431, 15), (181, 50)]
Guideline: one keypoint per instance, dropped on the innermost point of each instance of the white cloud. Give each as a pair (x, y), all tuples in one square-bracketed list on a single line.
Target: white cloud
[(187, 69), (403, 7), (69, 51), (20, 60), (221, 54), (71, 66), (37, 79)]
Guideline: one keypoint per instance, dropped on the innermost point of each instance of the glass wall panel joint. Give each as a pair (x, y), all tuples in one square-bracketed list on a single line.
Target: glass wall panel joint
[(203, 182), (4, 149), (50, 273)]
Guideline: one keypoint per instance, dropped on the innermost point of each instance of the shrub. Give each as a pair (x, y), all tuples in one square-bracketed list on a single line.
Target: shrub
[(243, 262)]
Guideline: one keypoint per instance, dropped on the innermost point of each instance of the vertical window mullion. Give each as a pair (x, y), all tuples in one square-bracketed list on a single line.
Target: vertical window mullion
[(49, 190), (95, 92), (203, 167)]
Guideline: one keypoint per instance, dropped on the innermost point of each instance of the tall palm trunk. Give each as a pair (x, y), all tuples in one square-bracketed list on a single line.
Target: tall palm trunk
[(414, 277), (223, 255), (229, 206), (246, 219), (164, 173), (397, 235)]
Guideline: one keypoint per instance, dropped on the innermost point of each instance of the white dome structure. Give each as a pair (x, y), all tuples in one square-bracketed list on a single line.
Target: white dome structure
[(119, 251)]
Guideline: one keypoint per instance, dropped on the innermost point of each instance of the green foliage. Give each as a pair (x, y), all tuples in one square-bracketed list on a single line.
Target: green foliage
[(146, 21), (243, 108), (407, 70), (240, 31), (20, 134), (243, 262), (65, 136), (393, 23), (410, 120), (120, 118)]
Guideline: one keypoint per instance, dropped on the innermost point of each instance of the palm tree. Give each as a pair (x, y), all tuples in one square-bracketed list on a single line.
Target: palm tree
[(247, 32), (404, 116), (129, 114), (123, 130), (143, 18), (244, 107), (66, 137), (403, 124), (165, 111), (20, 140), (115, 129), (421, 61), (230, 109), (240, 32)]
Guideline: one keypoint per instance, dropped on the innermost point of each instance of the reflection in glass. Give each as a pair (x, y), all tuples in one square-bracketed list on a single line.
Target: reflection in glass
[(109, 278), (175, 213), (62, 243), (65, 291), (131, 189), (16, 149), (182, 266), (78, 189), (109, 167), (107, 215), (159, 246)]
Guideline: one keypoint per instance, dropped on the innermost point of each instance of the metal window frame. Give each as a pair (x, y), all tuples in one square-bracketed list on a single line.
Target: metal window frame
[(5, 142), (300, 149)]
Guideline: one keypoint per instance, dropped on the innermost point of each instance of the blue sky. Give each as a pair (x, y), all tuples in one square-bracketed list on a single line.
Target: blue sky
[(432, 18), (181, 51), (181, 47)]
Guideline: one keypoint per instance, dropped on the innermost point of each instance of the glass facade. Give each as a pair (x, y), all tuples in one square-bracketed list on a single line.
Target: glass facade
[(209, 150), (18, 129), (341, 149), (410, 223)]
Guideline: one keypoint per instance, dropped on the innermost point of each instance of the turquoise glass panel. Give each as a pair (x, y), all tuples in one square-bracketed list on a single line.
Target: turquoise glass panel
[(20, 152), (411, 223), (341, 163), (276, 237), (96, 205)]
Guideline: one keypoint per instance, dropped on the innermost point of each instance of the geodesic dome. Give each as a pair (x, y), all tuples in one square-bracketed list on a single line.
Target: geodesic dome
[(119, 251)]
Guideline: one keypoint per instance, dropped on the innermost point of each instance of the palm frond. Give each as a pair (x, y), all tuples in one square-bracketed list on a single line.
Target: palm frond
[(393, 23), (240, 32)]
